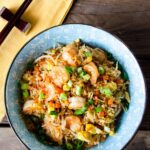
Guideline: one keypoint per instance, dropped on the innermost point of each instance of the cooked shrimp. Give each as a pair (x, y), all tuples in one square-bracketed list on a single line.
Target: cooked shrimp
[(70, 54), (59, 75), (76, 102), (53, 131), (30, 107), (92, 69), (51, 91), (99, 55), (73, 123)]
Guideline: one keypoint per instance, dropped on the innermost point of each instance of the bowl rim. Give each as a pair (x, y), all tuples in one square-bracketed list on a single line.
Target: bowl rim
[(65, 24)]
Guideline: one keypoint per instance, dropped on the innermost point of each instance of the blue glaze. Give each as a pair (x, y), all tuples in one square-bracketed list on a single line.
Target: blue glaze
[(65, 34)]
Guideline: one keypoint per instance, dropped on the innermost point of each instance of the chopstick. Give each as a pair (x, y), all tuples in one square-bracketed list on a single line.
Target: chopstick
[(15, 18)]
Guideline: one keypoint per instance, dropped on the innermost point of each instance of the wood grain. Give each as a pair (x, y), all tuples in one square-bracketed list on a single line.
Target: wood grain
[(9, 141)]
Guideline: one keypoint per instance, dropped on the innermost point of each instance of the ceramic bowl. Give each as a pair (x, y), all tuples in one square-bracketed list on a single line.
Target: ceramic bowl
[(129, 121)]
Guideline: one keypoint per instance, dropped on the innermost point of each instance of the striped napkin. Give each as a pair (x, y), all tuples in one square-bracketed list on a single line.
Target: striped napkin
[(41, 14)]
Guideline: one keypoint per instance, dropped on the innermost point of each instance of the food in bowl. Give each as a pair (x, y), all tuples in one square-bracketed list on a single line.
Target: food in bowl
[(74, 93)]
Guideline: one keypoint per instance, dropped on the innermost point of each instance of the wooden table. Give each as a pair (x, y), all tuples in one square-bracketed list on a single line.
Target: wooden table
[(130, 21)]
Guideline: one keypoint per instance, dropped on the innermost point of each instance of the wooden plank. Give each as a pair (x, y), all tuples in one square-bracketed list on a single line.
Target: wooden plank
[(130, 20), (140, 142), (110, 6), (8, 140)]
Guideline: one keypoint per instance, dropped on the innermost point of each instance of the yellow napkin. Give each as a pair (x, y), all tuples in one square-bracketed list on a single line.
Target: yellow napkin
[(41, 14)]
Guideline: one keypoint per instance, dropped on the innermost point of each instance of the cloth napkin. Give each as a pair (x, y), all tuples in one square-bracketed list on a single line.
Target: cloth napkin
[(41, 14)]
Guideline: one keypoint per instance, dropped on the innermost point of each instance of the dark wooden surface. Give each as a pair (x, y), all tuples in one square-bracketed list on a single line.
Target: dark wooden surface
[(9, 141), (130, 21)]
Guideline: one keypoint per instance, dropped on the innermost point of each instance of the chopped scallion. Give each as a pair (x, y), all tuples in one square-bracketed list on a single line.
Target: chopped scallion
[(63, 96), (41, 96), (80, 111), (101, 70), (98, 109), (87, 54), (79, 70), (69, 70), (90, 102), (79, 145), (53, 113), (70, 83), (82, 73), (106, 91), (24, 86), (78, 90), (69, 146), (25, 94), (86, 77)]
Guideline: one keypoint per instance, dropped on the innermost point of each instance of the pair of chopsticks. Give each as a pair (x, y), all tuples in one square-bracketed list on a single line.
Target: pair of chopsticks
[(13, 21)]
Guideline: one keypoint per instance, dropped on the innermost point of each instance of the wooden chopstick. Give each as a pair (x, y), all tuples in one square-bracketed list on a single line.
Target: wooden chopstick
[(13, 21)]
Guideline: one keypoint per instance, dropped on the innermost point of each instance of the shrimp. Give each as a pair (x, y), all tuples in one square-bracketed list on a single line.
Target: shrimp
[(76, 102), (59, 76), (31, 107), (73, 123), (54, 131), (99, 55), (92, 69), (51, 91), (70, 54)]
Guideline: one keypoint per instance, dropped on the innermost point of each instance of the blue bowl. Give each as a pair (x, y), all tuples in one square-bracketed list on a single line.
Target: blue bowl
[(95, 37)]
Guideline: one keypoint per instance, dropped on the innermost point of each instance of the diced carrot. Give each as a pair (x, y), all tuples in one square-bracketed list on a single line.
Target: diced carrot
[(39, 78), (110, 102), (36, 100), (57, 105), (90, 107), (64, 63), (35, 86), (102, 113), (69, 123), (105, 77), (44, 91), (51, 104), (47, 79), (119, 81), (42, 62), (58, 90), (41, 85), (96, 93)]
